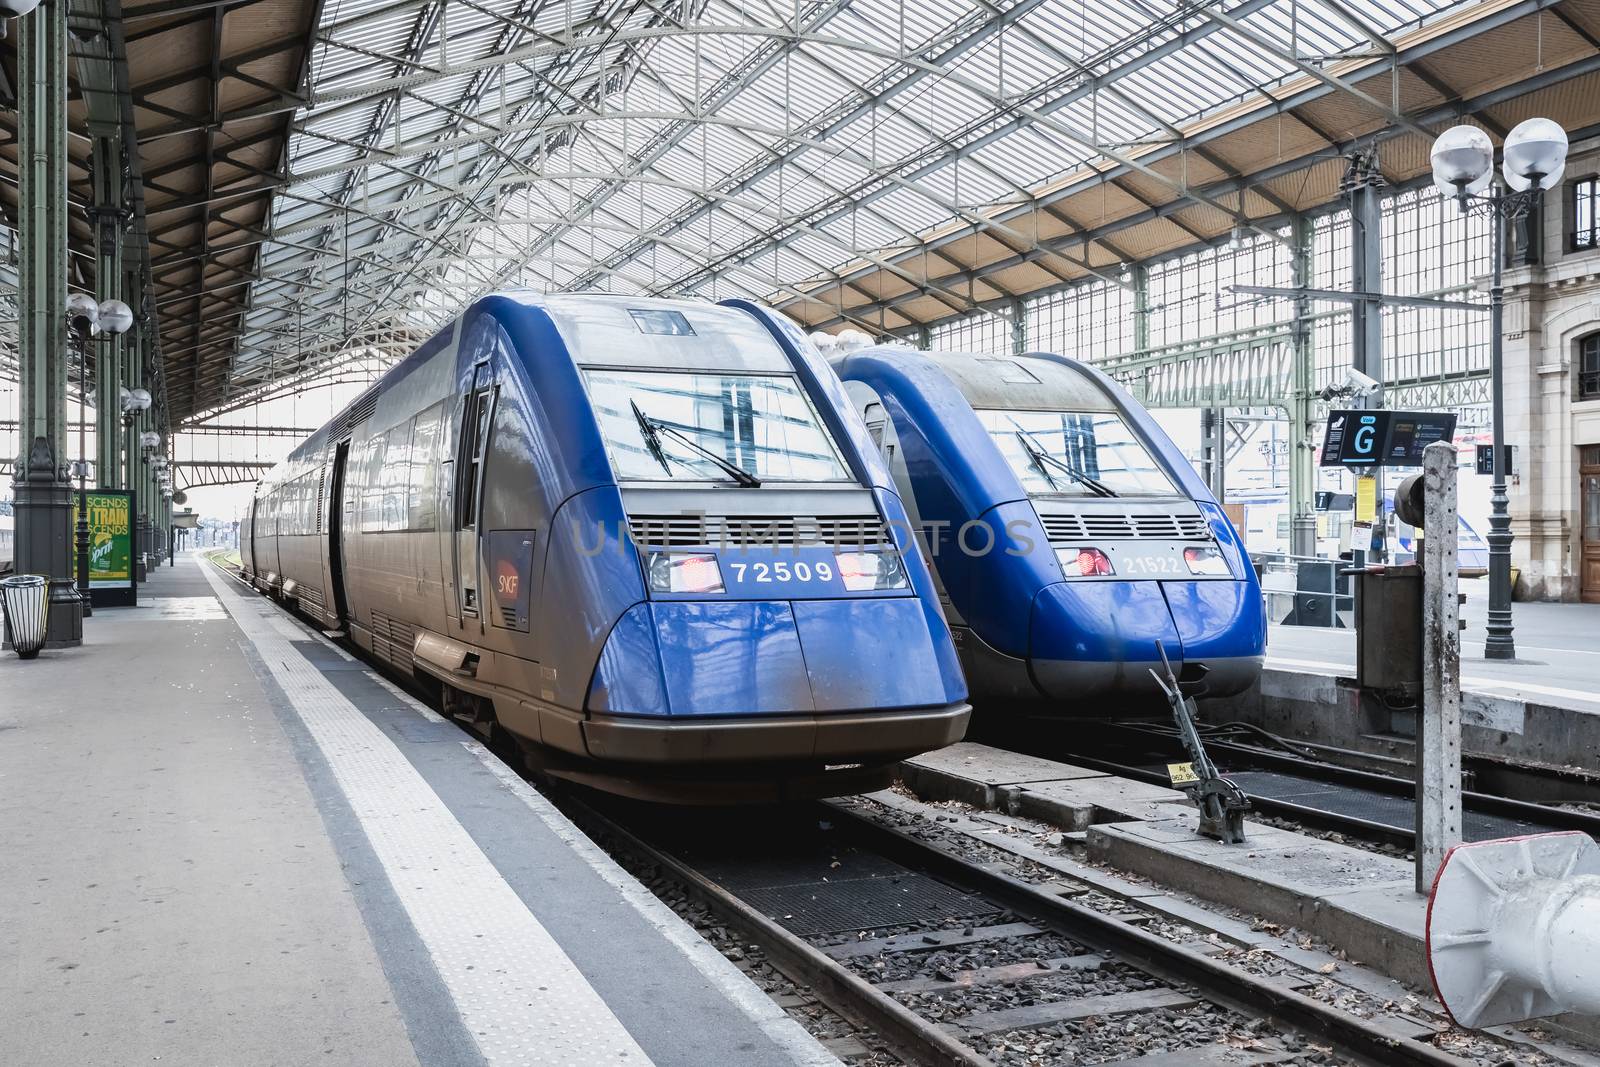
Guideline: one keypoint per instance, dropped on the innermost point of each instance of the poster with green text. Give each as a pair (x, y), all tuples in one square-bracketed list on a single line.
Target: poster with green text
[(110, 514)]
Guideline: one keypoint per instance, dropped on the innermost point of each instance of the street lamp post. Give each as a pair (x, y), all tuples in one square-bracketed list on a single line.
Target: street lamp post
[(87, 320), (1534, 157), (82, 315)]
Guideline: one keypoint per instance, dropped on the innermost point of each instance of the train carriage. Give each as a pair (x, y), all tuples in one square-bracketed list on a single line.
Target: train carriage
[(1067, 533), (647, 538)]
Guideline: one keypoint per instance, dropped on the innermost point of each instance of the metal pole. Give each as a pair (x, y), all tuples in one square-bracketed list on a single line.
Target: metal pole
[(81, 534), (42, 488), (1364, 179), (1141, 307), (1498, 642), (106, 215), (1439, 730), (1302, 475), (1214, 435)]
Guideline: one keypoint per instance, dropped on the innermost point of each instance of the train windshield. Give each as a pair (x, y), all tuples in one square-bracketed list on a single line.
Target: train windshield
[(745, 428), (1076, 453)]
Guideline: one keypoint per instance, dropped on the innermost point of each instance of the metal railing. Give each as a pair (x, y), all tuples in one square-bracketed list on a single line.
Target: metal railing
[(1306, 590)]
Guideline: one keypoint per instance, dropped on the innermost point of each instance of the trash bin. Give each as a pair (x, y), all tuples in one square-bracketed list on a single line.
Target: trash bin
[(26, 601)]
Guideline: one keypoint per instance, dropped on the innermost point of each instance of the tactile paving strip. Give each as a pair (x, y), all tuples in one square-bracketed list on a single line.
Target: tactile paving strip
[(521, 997)]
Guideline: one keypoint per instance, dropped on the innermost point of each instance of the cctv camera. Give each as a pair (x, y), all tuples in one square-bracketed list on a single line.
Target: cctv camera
[(15, 9), (1354, 383)]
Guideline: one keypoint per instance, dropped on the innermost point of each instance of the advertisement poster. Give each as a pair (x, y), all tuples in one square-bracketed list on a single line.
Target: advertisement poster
[(110, 513)]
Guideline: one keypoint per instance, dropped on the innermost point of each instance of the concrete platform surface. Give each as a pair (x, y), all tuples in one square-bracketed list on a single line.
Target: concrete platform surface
[(1558, 652), (226, 842), (1064, 794), (1358, 900)]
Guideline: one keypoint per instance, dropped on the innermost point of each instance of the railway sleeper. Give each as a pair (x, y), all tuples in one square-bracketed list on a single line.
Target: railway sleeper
[(1034, 1016), (1010, 973)]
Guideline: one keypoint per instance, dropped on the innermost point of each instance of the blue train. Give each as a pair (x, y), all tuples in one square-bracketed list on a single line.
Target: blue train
[(1068, 534), (648, 539)]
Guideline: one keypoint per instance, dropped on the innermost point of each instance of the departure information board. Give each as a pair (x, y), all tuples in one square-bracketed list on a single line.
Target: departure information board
[(1382, 438)]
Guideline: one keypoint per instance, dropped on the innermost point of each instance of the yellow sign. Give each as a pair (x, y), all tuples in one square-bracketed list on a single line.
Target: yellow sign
[(1366, 500), (1182, 773), (110, 538)]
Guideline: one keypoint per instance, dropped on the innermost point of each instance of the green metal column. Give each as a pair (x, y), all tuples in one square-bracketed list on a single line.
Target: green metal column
[(1302, 475), (42, 489), (106, 214), (1019, 329), (1141, 307), (127, 358)]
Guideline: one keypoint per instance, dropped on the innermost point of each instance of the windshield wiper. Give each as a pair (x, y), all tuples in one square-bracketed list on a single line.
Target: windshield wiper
[(654, 428), (1035, 461), (1040, 456), (652, 438)]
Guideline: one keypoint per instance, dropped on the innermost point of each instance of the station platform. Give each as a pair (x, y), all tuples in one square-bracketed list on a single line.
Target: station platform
[(1558, 651), (1542, 708), (226, 841)]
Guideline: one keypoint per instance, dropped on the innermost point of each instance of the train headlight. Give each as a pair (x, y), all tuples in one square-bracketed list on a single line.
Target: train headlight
[(863, 571), (1085, 563), (684, 572), (1205, 559)]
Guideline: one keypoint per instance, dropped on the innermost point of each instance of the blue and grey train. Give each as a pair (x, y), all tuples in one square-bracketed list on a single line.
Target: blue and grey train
[(1068, 534), (648, 539)]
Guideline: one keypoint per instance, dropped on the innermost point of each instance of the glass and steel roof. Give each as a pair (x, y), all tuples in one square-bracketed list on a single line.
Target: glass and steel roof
[(881, 163)]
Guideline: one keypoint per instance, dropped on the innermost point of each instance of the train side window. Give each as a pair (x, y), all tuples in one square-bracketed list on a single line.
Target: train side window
[(875, 418), (396, 475), (476, 431), (424, 464), (367, 460)]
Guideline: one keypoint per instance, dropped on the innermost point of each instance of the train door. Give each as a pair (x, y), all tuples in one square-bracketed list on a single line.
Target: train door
[(247, 547), (1589, 558), (336, 513), (472, 446)]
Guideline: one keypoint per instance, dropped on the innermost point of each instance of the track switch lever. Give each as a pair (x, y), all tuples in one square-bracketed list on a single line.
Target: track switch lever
[(1222, 804)]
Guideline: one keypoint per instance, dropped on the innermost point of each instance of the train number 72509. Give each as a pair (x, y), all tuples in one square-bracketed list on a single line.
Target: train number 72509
[(782, 571)]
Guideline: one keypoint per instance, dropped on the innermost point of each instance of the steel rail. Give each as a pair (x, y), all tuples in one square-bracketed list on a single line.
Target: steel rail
[(838, 987), (1481, 803), (924, 1042), (1245, 992)]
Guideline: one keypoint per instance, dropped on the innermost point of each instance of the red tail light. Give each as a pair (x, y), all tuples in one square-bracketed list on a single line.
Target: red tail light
[(1085, 563)]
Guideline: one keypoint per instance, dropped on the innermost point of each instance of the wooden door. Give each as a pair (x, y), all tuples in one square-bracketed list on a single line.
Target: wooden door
[(1589, 514)]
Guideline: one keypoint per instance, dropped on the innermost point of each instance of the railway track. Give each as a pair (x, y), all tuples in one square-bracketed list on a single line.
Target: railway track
[(904, 949), (951, 960), (1296, 784)]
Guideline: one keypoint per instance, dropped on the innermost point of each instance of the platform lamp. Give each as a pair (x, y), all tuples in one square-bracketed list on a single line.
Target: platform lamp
[(1533, 159), (83, 314)]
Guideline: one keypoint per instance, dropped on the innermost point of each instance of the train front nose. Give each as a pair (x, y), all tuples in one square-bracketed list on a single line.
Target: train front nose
[(820, 679), (1222, 625), (1094, 639), (1098, 639)]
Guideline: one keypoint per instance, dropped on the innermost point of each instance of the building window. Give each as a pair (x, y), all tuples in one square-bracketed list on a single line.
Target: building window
[(1589, 367), (1585, 215)]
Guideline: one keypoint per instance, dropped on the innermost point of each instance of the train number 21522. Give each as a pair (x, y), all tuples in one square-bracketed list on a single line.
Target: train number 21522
[(782, 571)]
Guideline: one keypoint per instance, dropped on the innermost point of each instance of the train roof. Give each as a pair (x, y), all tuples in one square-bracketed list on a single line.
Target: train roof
[(604, 329), (1036, 381)]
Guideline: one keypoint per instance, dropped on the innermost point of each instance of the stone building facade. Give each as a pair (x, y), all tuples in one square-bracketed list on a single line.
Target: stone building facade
[(1552, 382)]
